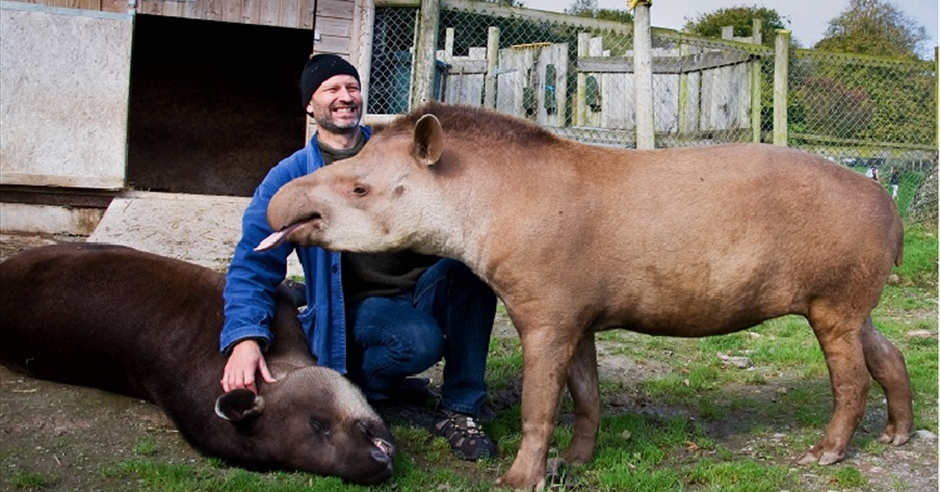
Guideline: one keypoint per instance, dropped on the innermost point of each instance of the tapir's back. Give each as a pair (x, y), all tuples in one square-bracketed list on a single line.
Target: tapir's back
[(59, 319), (723, 224)]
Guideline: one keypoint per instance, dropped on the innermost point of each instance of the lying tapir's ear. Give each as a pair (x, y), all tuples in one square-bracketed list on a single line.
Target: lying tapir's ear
[(238, 405), (429, 140)]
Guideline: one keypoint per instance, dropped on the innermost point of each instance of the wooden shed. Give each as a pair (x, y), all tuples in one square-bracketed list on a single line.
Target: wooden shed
[(178, 96)]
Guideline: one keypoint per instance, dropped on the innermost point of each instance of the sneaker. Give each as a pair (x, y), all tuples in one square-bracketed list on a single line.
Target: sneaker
[(466, 437)]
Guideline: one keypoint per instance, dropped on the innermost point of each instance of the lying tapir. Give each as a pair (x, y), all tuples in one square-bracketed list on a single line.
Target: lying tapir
[(148, 326), (576, 239)]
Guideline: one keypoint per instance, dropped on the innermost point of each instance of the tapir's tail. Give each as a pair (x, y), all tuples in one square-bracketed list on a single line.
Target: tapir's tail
[(898, 259)]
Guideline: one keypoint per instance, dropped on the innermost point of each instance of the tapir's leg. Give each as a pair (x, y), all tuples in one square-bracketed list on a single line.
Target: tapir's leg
[(583, 385), (886, 365), (547, 353), (842, 345)]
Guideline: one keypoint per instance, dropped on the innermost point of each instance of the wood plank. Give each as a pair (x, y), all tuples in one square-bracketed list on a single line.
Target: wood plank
[(118, 6), (334, 27), (337, 9), (306, 15), (288, 15), (232, 11), (213, 10), (269, 13), (333, 44), (663, 64), (251, 12)]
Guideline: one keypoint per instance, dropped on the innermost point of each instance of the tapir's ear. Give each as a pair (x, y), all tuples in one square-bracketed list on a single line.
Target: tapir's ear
[(238, 405), (429, 140)]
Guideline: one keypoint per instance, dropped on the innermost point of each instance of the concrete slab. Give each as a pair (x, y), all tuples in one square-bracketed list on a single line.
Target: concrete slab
[(202, 229)]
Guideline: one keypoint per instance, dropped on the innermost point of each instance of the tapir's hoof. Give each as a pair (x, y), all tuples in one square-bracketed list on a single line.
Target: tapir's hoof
[(508, 482), (825, 458), (894, 439)]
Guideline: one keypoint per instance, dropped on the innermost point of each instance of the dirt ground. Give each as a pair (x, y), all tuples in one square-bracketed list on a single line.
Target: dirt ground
[(75, 435)]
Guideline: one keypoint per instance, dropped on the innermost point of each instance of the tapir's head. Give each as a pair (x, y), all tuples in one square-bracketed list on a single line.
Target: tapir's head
[(384, 198), (315, 420)]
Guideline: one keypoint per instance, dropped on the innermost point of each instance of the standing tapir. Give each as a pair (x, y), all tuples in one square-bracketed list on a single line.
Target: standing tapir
[(148, 326), (576, 239)]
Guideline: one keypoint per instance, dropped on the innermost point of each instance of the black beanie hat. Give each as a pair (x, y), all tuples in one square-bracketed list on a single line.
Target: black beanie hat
[(319, 68)]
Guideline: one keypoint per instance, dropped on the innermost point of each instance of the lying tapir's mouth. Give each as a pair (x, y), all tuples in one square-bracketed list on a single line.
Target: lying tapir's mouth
[(278, 238), (384, 446)]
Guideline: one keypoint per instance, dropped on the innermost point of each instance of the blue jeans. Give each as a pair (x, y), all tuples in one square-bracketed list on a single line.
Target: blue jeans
[(448, 315)]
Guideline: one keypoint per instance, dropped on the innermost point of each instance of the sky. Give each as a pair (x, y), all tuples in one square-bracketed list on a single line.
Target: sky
[(808, 18)]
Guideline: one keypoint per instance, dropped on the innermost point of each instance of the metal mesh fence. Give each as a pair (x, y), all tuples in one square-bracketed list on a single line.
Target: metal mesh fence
[(575, 76), (875, 115)]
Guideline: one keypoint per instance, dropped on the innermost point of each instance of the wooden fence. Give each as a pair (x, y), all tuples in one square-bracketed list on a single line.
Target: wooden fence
[(697, 90)]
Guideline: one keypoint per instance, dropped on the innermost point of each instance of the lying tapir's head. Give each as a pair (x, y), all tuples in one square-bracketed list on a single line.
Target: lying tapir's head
[(382, 199), (317, 422)]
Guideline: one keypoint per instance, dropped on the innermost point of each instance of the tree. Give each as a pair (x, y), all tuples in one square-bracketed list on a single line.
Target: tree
[(710, 24), (508, 3), (874, 27), (588, 8)]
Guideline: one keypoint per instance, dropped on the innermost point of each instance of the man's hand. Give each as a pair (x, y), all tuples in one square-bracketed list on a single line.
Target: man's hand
[(246, 360)]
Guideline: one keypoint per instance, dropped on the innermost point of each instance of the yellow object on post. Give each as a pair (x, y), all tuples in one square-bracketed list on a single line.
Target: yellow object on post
[(631, 4)]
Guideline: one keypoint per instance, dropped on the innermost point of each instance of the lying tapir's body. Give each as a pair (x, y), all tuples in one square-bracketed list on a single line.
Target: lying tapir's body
[(576, 239), (143, 325)]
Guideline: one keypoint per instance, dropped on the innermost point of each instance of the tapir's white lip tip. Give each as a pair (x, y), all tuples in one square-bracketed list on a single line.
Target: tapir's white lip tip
[(276, 238)]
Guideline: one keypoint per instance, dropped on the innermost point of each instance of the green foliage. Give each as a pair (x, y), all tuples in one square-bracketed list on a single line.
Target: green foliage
[(874, 27), (146, 447), (507, 3), (849, 477), (710, 24), (742, 476), (29, 481), (920, 257), (588, 8)]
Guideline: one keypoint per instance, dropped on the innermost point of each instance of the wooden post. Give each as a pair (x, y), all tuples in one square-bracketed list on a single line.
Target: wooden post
[(643, 57), (684, 51), (756, 38), (422, 85), (781, 85), (492, 62), (361, 55), (580, 106)]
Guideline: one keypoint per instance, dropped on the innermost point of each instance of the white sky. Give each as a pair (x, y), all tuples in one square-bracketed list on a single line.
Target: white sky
[(808, 18)]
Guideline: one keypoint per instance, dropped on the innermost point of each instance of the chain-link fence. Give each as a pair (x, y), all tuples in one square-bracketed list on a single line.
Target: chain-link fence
[(575, 76)]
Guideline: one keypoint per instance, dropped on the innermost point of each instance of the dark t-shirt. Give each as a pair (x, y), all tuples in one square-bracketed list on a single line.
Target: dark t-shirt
[(376, 274)]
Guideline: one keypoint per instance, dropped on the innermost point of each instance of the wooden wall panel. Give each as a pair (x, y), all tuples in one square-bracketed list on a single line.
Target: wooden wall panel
[(65, 85), (295, 14)]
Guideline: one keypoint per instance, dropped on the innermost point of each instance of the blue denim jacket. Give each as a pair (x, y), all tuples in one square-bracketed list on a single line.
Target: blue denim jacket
[(253, 277)]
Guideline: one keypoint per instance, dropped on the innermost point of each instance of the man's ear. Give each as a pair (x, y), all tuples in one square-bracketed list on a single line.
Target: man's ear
[(429, 140)]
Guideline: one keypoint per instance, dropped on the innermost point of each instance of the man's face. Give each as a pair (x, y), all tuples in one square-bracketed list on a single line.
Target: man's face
[(336, 105)]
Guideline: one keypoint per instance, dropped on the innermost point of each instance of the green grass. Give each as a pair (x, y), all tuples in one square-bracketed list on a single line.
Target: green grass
[(29, 481), (693, 422)]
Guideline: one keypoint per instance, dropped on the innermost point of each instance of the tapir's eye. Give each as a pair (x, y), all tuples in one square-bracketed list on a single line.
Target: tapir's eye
[(360, 190), (318, 426)]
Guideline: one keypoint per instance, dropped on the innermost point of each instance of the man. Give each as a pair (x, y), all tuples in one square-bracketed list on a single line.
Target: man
[(377, 318)]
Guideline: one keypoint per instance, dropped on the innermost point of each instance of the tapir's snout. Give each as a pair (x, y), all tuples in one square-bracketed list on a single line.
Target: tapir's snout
[(382, 449), (290, 211)]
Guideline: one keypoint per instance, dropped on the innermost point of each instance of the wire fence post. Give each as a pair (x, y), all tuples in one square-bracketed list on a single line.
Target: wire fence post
[(425, 51), (643, 55), (492, 63), (781, 84)]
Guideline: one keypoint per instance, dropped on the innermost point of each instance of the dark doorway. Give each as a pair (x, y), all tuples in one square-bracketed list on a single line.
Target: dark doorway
[(213, 106)]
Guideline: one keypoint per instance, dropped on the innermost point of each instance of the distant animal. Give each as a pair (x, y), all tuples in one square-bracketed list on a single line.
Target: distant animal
[(576, 239), (140, 324)]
